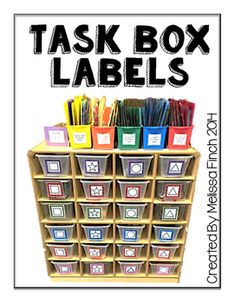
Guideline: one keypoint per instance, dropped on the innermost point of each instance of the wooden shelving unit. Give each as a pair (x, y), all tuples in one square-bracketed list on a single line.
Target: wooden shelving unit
[(114, 173)]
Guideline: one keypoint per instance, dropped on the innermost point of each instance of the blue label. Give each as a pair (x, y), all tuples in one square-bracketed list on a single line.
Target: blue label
[(129, 235), (166, 234), (60, 234), (95, 234)]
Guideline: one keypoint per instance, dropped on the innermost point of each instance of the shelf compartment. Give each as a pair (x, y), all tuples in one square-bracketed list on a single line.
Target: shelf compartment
[(93, 166), (96, 252)]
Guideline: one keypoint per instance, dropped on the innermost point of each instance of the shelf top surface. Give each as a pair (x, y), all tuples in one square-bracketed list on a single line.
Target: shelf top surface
[(43, 148)]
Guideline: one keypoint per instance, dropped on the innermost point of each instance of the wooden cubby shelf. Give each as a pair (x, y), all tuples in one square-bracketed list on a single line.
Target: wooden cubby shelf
[(72, 217)]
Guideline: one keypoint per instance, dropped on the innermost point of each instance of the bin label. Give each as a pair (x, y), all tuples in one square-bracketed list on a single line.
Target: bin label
[(54, 189), (103, 139), (53, 166), (130, 269), (79, 138), (163, 269), (95, 234), (133, 192), (57, 211), (56, 136), (64, 268), (136, 168), (129, 252), (170, 213), (94, 213), (60, 234), (128, 139), (129, 235), (97, 268), (166, 235), (96, 190), (163, 253), (94, 252), (180, 139), (173, 191), (92, 166), (58, 251), (131, 213), (154, 139), (175, 167)]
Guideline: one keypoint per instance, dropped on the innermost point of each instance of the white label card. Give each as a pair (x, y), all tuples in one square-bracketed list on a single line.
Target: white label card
[(60, 252), (56, 136), (180, 139), (103, 139), (154, 139), (79, 138), (128, 139)]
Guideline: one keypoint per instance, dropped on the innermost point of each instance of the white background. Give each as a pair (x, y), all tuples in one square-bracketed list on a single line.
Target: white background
[(44, 106), (7, 121)]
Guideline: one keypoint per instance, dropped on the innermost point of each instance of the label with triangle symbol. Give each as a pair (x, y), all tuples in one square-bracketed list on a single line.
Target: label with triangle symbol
[(165, 235), (130, 269), (170, 213), (173, 191), (163, 253), (175, 167)]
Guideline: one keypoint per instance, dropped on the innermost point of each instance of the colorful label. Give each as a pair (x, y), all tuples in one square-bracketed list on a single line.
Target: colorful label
[(163, 253), (170, 213), (54, 189), (175, 167), (129, 252), (59, 251), (163, 269), (64, 268), (130, 269), (166, 234), (131, 213), (57, 211), (92, 166), (130, 235), (94, 252), (95, 234), (173, 191), (96, 191), (60, 234), (53, 166), (133, 192), (136, 168), (94, 213), (97, 268)]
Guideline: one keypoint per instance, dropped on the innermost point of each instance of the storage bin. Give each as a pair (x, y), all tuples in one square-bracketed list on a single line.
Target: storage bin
[(94, 211), (163, 269), (166, 233), (95, 251), (92, 165), (172, 190), (154, 137), (173, 166), (98, 268), (55, 189), (131, 212), (169, 212), (130, 268), (164, 252), (128, 138), (54, 165), (96, 233), (130, 233), (129, 251), (60, 232), (61, 251), (65, 267), (79, 136), (96, 189), (135, 166), (61, 211), (133, 190), (179, 137), (103, 137)]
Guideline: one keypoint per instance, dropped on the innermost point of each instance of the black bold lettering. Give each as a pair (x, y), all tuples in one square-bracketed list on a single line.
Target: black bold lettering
[(59, 38), (37, 30), (144, 42), (130, 73), (174, 67), (152, 80), (109, 75), (83, 71), (56, 80), (197, 39), (165, 39), (106, 37), (79, 34)]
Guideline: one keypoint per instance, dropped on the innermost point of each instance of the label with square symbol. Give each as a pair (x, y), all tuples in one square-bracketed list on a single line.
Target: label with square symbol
[(180, 139), (163, 253), (154, 139), (61, 252), (92, 166), (170, 213), (129, 252), (163, 269), (173, 191), (136, 168), (94, 252), (166, 234), (94, 213), (131, 213), (57, 211), (175, 167), (96, 190), (54, 189), (53, 166), (95, 234), (133, 191), (97, 268), (60, 234), (56, 136), (79, 138), (65, 268), (130, 269), (128, 139), (129, 235)]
